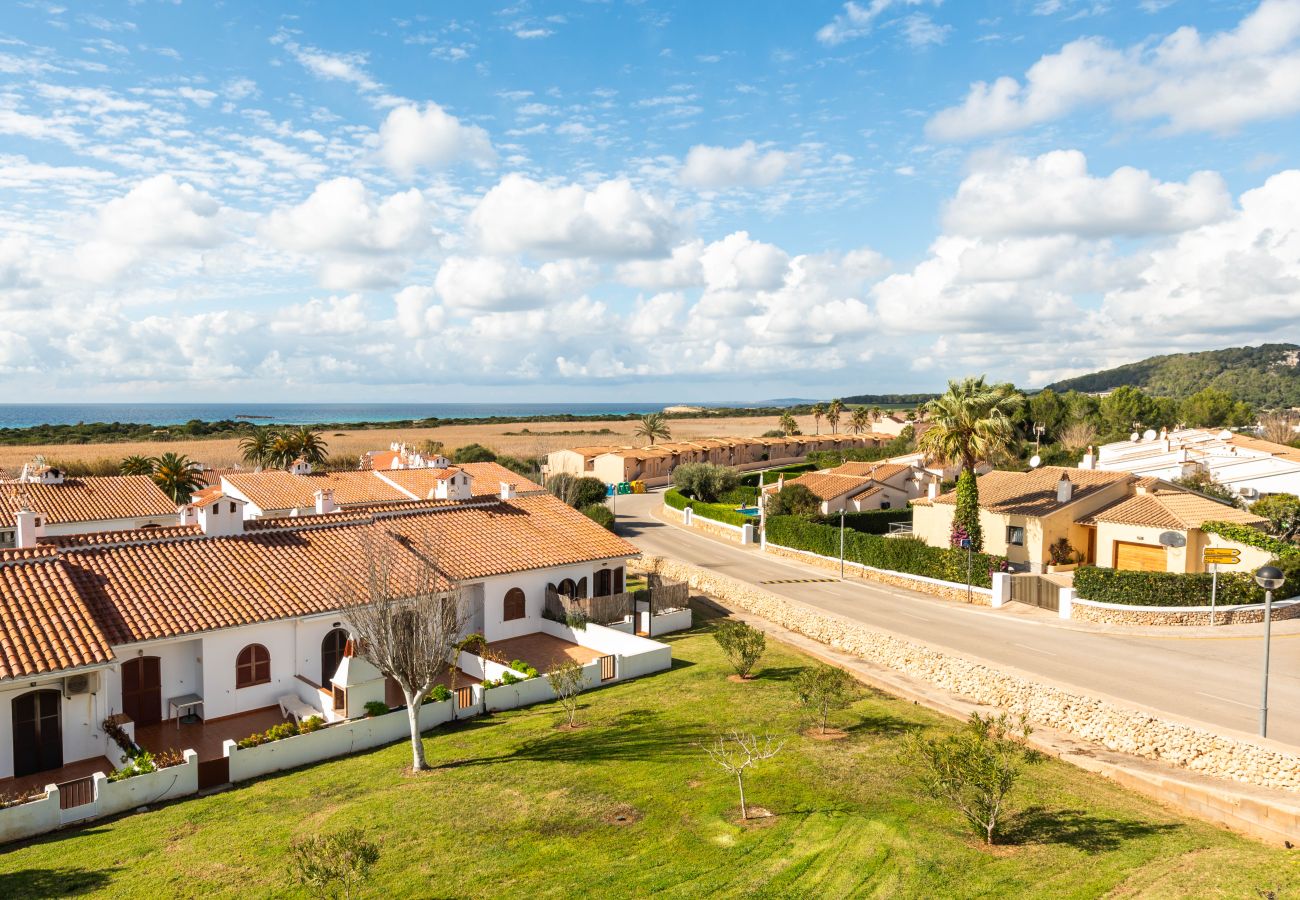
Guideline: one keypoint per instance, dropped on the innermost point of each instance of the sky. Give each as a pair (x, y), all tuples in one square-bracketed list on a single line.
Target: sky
[(636, 200)]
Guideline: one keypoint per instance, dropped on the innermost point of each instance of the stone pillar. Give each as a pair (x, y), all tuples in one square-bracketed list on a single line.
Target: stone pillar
[(1001, 589), (1066, 602)]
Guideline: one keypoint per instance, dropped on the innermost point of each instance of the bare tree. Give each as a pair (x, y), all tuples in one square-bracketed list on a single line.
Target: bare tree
[(1278, 428), (406, 622), (736, 752), (567, 680), (1077, 436)]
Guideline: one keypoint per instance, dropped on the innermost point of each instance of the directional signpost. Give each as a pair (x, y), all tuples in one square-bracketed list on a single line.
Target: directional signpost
[(1215, 557)]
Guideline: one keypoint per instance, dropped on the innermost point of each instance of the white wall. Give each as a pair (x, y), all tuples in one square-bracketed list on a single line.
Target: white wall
[(220, 650), (308, 635), (113, 797), (80, 718), (533, 584)]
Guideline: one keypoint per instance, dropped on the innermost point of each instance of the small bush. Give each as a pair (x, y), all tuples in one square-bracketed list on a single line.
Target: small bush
[(600, 514), (794, 500), (472, 453), (528, 669), (577, 492), (333, 863), (823, 688), (140, 764), (376, 708), (510, 678), (439, 693), (285, 730), (743, 644)]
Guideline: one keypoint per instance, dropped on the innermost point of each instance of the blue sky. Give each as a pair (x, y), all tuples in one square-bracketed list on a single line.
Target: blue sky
[(636, 200)]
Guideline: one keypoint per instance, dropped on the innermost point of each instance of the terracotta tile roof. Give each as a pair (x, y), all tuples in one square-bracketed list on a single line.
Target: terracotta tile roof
[(880, 471), (1250, 442), (86, 499), (212, 477), (95, 538), (66, 611), (869, 492), (1033, 493), (486, 478), (1172, 508), (828, 487), (45, 623), (276, 489)]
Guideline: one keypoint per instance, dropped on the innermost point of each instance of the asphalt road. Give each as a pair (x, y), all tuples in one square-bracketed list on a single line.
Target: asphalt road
[(1209, 676)]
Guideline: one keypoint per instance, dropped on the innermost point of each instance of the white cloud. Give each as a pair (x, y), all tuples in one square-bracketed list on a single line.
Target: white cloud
[(341, 215), (611, 220), (1186, 81), (339, 316), (161, 211), (411, 138), (722, 167), (858, 20), (346, 67), (489, 283), (1054, 193)]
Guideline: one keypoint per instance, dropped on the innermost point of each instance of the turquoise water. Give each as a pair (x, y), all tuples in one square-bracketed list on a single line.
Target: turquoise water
[(748, 511)]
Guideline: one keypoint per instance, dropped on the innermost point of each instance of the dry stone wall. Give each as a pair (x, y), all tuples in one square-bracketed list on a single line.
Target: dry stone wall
[(1172, 615), (702, 524), (1111, 726)]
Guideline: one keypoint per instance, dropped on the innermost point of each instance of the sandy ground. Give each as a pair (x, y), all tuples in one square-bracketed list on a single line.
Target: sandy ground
[(542, 438)]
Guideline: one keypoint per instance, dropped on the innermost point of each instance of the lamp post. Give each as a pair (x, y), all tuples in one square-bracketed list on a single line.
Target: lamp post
[(1270, 578), (841, 545)]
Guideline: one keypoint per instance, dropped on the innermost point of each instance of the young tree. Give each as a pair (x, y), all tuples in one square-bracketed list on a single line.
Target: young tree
[(578, 492), (1282, 512), (1203, 482), (136, 465), (818, 410), (736, 752), (822, 688), (177, 476), (743, 644), (257, 448), (706, 482), (975, 769), (333, 862), (833, 414), (793, 500), (1278, 428), (653, 426), (966, 516), (406, 621), (1077, 436), (860, 420), (788, 424), (568, 680)]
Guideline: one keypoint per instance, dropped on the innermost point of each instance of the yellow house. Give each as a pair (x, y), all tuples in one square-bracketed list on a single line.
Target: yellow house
[(1108, 518)]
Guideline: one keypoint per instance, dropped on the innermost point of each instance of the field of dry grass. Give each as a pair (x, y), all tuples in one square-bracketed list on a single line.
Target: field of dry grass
[(541, 438)]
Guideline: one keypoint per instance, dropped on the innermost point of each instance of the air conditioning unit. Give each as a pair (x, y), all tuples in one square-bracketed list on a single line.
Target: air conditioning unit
[(1249, 493), (75, 685)]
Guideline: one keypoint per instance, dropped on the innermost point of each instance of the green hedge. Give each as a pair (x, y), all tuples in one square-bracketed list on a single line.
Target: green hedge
[(771, 475), (897, 554), (719, 512), (876, 521), (1133, 588), (743, 495), (1251, 537)]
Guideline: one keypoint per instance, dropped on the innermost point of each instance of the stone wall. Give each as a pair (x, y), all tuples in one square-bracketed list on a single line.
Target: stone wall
[(1098, 721), (978, 596), (701, 524), (1082, 610)]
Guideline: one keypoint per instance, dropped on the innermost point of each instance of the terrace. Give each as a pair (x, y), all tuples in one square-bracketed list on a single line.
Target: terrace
[(17, 787), (543, 651), (206, 737)]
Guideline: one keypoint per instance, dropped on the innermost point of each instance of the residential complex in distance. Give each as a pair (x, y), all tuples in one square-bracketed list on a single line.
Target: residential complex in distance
[(1252, 467)]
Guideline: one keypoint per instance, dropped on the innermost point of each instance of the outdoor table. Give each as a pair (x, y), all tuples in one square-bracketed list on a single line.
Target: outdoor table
[(184, 701)]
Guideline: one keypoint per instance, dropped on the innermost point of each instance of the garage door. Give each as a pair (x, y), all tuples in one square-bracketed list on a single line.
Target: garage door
[(1145, 557)]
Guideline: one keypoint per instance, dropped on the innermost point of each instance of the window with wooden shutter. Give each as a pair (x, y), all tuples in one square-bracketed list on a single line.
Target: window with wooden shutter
[(252, 666), (516, 606)]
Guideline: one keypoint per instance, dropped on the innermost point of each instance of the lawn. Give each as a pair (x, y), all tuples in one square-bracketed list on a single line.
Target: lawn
[(630, 805)]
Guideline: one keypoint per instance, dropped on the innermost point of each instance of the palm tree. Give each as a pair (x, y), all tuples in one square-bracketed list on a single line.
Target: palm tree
[(256, 447), (818, 410), (136, 465), (973, 421), (652, 426), (310, 445), (877, 414), (284, 450), (833, 414), (788, 423), (177, 475), (860, 420)]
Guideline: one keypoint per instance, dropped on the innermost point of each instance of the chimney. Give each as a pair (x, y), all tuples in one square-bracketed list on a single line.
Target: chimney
[(188, 515), (300, 466), (325, 501), (221, 516), (1064, 489), (507, 491), (1089, 460), (932, 489), (30, 527)]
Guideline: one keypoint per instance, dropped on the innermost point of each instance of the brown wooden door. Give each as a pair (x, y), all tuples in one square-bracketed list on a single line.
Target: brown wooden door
[(142, 690), (1143, 557), (37, 735)]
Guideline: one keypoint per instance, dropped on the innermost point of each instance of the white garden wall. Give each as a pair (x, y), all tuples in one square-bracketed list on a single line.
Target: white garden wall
[(113, 797), (28, 819)]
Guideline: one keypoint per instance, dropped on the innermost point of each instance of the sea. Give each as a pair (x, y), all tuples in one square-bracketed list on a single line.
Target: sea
[(28, 415)]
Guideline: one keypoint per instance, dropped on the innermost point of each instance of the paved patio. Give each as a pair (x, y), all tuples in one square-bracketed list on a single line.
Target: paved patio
[(541, 650), (70, 772), (206, 738)]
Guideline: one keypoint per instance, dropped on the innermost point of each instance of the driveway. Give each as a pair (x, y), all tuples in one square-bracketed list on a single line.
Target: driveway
[(1202, 675)]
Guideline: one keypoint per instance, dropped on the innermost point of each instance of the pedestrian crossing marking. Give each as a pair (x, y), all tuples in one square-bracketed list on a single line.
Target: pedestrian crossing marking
[(801, 581)]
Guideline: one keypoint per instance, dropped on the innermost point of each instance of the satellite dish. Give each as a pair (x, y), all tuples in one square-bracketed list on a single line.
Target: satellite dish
[(1173, 539), (1035, 461), (1225, 435), (1135, 437), (1149, 435)]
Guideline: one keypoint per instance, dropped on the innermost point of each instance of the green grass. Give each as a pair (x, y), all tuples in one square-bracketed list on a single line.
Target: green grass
[(516, 807)]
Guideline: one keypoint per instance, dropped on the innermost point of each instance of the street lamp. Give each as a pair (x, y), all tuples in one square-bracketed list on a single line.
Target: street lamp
[(1270, 578)]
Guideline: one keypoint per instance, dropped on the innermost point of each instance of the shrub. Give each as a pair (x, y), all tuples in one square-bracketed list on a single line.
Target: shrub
[(510, 678), (743, 644), (975, 769), (741, 495), (376, 708), (1251, 537), (333, 862), (823, 688), (876, 521), (287, 730), (472, 453), (141, 764), (600, 514), (439, 693), (567, 680), (19, 797), (528, 669), (310, 724), (719, 512), (577, 492), (966, 520), (770, 476), (1134, 588), (793, 500), (704, 481), (895, 554)]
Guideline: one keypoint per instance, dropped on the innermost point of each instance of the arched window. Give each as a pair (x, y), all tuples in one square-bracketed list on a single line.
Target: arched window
[(515, 605), (252, 666), (331, 654), (582, 587), (567, 588)]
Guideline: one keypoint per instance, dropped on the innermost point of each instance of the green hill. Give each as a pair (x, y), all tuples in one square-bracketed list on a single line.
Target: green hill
[(1267, 376)]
